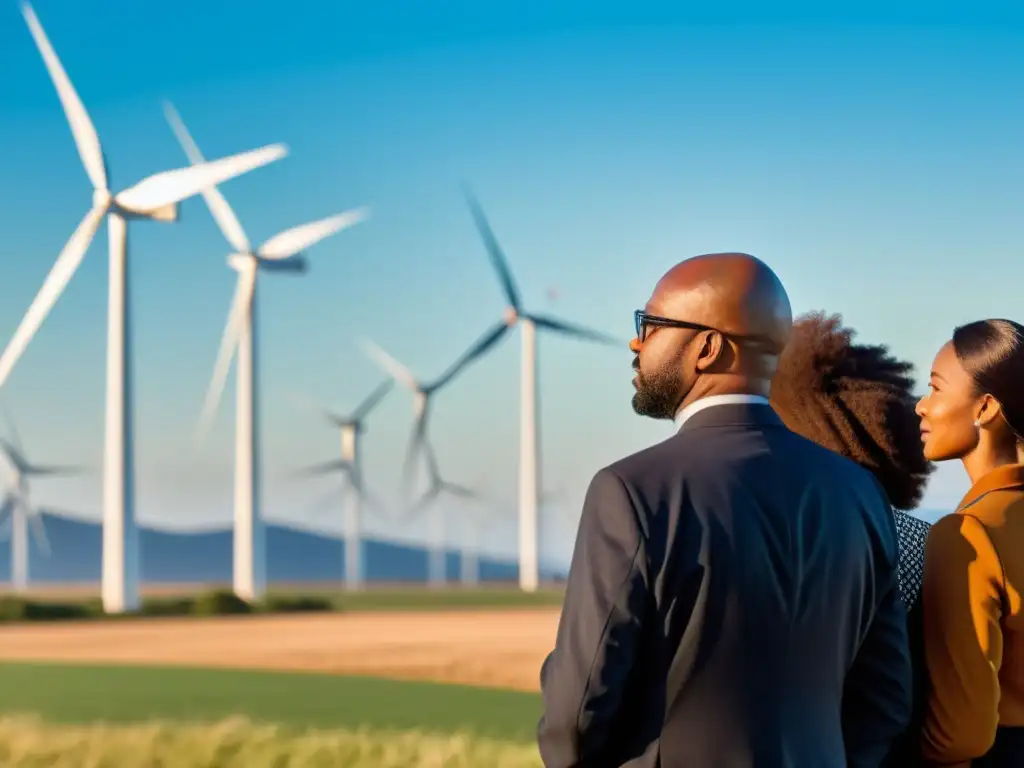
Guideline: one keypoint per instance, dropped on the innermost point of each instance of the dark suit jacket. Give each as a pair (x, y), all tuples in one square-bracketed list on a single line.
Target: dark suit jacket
[(733, 602)]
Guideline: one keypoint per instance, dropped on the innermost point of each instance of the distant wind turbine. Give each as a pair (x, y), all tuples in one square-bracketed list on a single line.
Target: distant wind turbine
[(155, 198), (515, 314), (480, 518), (437, 546), (421, 394), (478, 522), (350, 466), (17, 509), (281, 253)]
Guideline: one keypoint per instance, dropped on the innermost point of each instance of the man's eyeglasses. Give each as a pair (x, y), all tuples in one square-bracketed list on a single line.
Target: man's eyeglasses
[(645, 323)]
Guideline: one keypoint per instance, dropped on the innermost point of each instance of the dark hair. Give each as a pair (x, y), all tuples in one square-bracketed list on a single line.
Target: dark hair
[(992, 353), (856, 400)]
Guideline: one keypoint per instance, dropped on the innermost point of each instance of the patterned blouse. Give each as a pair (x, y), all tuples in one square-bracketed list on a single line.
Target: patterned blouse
[(912, 533)]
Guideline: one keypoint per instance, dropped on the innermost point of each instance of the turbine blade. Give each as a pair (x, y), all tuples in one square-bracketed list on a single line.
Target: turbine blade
[(39, 530), (417, 444), (389, 365), (7, 506), (162, 189), (571, 329), (326, 467), (60, 275), (433, 472), (237, 316), (480, 347), (372, 500), (422, 503), (82, 129), (32, 469), (372, 400), (498, 259), (15, 435), (460, 490), (219, 208), (308, 404), (296, 239)]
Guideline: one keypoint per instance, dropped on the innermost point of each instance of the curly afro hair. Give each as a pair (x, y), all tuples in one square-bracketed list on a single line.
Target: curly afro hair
[(856, 400)]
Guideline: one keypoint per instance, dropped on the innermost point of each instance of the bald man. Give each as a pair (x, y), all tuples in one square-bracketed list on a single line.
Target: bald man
[(733, 595)]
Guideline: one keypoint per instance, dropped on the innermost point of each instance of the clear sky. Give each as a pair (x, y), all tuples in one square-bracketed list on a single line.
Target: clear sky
[(872, 158)]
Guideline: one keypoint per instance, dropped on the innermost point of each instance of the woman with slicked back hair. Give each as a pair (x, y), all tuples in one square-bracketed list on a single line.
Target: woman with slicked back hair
[(858, 400), (974, 558)]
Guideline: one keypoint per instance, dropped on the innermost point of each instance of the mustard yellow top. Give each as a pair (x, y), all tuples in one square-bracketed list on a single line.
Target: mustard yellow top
[(973, 628)]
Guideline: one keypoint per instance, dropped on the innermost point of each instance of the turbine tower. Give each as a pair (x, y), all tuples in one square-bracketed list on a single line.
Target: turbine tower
[(529, 322), (477, 521), (17, 508), (155, 198), (436, 486), (350, 466), (281, 253)]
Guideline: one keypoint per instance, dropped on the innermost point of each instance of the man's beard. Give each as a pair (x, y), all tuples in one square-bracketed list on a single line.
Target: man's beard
[(657, 394)]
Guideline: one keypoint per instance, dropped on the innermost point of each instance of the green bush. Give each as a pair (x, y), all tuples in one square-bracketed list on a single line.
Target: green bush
[(219, 602), (14, 608), (167, 606), (295, 604)]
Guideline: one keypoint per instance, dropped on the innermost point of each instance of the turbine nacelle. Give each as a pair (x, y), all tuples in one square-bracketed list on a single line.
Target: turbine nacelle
[(104, 201), (510, 316)]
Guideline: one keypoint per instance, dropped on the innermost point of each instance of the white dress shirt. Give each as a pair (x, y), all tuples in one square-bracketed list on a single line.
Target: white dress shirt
[(706, 402)]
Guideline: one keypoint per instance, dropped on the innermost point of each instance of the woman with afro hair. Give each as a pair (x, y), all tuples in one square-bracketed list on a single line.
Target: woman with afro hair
[(858, 400)]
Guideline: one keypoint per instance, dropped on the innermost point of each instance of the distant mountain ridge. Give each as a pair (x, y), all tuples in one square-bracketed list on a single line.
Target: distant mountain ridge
[(172, 557)]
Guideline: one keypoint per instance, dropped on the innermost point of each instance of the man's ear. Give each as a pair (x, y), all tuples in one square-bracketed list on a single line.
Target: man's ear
[(712, 349)]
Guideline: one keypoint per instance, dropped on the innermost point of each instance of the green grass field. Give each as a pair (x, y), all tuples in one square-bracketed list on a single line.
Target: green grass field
[(83, 694), (427, 599), (132, 717)]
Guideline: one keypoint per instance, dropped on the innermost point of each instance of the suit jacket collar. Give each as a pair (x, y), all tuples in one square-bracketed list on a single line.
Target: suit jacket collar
[(733, 415), (999, 479)]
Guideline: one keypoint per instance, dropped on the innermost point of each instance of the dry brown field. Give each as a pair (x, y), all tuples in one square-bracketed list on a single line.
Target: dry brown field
[(489, 647)]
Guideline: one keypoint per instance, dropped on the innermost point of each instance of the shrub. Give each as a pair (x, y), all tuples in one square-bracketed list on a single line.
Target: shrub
[(219, 602), (14, 608), (167, 606), (296, 604)]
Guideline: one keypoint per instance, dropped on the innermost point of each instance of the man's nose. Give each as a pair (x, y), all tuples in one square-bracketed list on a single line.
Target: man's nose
[(634, 345)]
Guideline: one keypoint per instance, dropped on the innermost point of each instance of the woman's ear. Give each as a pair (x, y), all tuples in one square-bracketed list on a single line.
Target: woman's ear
[(989, 410)]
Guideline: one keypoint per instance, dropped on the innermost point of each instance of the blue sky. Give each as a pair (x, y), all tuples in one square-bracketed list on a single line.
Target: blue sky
[(874, 160)]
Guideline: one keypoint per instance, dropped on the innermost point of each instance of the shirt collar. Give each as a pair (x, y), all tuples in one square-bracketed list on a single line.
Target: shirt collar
[(999, 479), (706, 402)]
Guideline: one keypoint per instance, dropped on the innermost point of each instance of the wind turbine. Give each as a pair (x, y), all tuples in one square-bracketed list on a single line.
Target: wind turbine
[(155, 198), (281, 253), (436, 486), (514, 315), (17, 508), (350, 465), (421, 394), (477, 521)]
